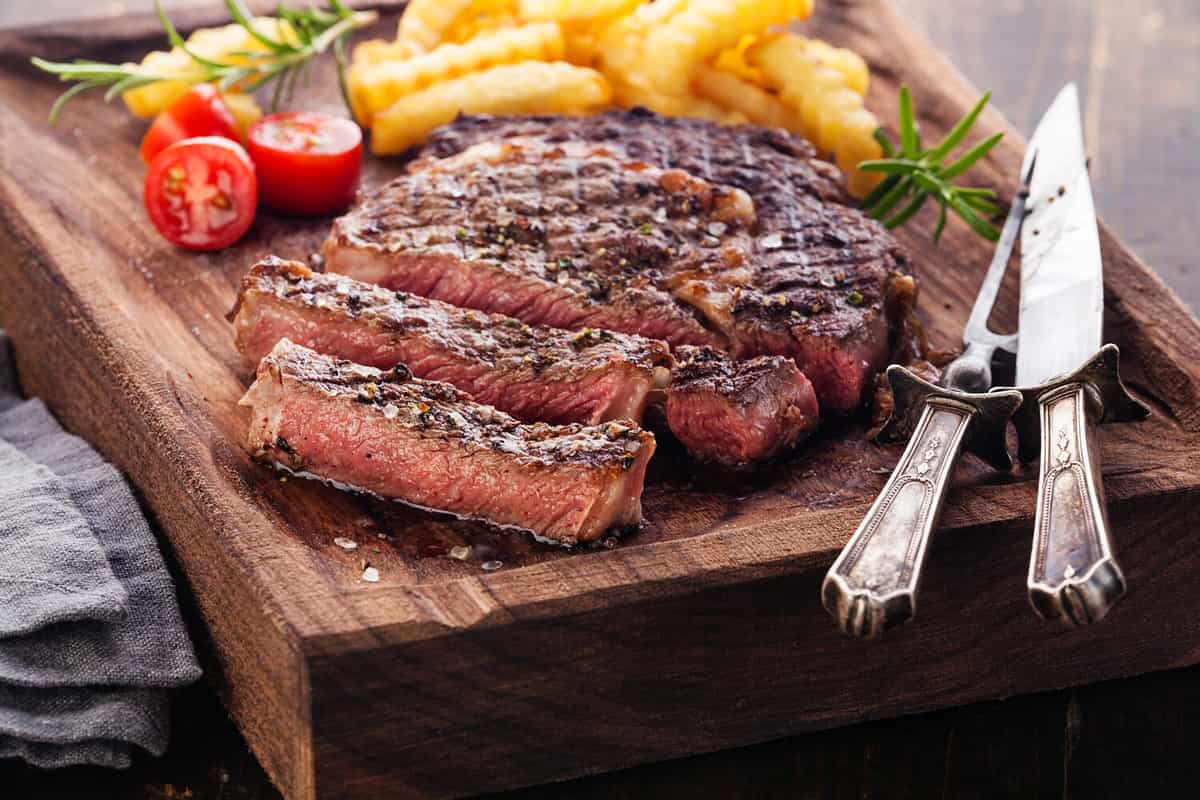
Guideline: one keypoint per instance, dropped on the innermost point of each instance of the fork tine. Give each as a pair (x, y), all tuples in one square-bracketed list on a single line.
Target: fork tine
[(977, 324)]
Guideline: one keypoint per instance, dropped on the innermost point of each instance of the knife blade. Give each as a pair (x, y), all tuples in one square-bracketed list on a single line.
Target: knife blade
[(1062, 287), (1069, 382), (874, 582)]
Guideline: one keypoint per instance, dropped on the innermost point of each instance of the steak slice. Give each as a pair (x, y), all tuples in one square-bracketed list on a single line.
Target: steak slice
[(535, 374), (736, 413), (821, 269), (428, 444), (570, 236)]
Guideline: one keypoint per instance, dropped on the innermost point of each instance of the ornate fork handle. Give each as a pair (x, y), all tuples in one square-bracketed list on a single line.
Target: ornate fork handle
[(873, 583)]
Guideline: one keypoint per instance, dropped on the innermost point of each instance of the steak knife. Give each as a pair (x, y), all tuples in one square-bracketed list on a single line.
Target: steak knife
[(1069, 382), (873, 583)]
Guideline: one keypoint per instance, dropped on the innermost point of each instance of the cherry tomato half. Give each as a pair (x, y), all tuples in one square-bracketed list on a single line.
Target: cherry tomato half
[(308, 163), (200, 111), (201, 193)]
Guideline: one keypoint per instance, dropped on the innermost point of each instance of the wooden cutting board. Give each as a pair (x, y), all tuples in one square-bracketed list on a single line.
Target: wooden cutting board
[(702, 632)]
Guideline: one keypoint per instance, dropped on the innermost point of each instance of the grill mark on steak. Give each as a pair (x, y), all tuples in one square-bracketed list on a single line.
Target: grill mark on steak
[(740, 412), (536, 374), (812, 248), (569, 235), (428, 444), (532, 372)]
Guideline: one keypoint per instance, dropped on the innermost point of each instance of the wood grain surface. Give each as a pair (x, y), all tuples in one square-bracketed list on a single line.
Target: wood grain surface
[(1137, 303)]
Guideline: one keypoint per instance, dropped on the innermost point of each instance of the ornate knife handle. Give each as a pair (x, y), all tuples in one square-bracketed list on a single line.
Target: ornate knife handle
[(873, 584), (1073, 575)]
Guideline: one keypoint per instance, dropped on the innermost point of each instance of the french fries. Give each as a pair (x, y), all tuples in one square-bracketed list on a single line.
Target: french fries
[(831, 112), (214, 43), (704, 28), (574, 10), (628, 95), (721, 60), (525, 88), (425, 22), (379, 85), (729, 91), (735, 61)]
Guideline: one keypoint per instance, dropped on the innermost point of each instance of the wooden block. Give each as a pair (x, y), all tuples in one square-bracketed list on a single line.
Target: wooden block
[(704, 631)]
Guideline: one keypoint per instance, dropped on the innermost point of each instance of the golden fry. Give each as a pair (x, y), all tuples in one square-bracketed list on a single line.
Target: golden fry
[(425, 22), (849, 63), (620, 45), (735, 61), (628, 95), (213, 43), (703, 29), (375, 51), (525, 88), (471, 25), (858, 145), (246, 110), (376, 87), (758, 106), (574, 10), (831, 111)]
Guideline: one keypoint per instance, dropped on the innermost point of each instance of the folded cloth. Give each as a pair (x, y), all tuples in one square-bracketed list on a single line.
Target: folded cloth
[(53, 568), (82, 688)]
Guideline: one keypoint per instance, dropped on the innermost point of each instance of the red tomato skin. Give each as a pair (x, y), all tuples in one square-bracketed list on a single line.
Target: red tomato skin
[(300, 181), (205, 161), (200, 111)]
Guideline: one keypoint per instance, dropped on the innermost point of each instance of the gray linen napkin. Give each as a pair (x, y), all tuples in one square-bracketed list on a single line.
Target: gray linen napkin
[(54, 569), (87, 687)]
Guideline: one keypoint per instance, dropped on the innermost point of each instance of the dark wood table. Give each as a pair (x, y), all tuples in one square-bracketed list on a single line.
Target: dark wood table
[(1136, 63)]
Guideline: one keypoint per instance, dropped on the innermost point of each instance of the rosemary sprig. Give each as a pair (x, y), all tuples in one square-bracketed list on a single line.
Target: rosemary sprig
[(915, 174), (301, 35)]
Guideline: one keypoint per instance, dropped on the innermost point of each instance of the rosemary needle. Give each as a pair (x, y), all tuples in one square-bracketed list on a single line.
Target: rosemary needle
[(300, 36), (914, 175)]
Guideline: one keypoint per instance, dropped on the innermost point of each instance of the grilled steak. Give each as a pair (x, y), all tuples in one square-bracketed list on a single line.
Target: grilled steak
[(554, 235), (583, 221), (428, 444), (739, 412), (535, 374)]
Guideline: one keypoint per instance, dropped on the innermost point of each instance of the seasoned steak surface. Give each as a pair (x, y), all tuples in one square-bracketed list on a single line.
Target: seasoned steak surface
[(820, 267), (536, 374), (532, 372), (572, 235), (739, 412), (429, 444)]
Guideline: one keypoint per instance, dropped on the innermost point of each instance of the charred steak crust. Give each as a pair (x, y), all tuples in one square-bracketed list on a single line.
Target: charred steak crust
[(536, 374), (572, 235), (739, 412), (428, 443), (822, 267)]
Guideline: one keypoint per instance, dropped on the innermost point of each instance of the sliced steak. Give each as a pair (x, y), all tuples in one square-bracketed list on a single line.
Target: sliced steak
[(821, 268), (535, 374), (428, 444), (571, 236), (736, 413)]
